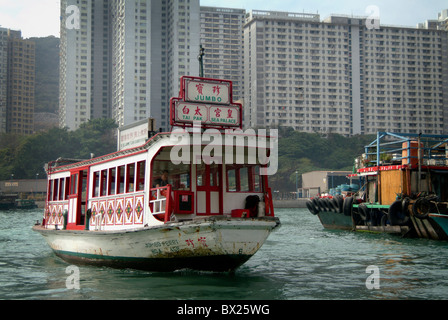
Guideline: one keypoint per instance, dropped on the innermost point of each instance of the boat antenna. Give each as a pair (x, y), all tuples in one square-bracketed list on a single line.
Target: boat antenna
[(201, 61)]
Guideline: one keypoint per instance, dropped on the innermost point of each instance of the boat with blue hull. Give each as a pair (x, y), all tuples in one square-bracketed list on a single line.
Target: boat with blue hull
[(404, 189)]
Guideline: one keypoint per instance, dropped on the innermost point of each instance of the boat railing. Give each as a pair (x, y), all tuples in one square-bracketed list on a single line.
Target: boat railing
[(160, 203), (406, 149)]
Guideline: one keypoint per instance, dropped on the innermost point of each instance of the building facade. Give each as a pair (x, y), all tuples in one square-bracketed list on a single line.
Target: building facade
[(123, 59), (222, 39), (3, 77), (17, 83), (84, 82), (341, 76)]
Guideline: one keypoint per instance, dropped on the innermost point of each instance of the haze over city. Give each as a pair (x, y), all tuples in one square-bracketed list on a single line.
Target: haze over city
[(42, 18)]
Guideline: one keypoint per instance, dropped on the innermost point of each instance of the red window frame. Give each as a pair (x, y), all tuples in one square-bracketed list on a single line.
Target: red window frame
[(251, 177)]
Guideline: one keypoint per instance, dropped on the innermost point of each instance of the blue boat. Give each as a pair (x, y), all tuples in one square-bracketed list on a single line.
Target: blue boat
[(404, 189)]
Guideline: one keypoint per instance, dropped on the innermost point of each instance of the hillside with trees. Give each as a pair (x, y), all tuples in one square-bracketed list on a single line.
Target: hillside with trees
[(25, 156), (304, 152), (307, 152)]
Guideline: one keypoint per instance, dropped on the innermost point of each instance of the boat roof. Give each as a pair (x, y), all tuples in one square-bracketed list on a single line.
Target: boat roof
[(62, 164)]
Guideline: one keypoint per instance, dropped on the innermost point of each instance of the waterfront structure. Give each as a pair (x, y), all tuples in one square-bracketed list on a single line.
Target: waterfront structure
[(343, 75), (122, 59), (17, 83), (222, 39)]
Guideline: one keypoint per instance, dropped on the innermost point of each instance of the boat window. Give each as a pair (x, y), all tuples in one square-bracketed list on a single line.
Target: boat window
[(200, 175), (112, 177), (141, 175), (55, 190), (179, 176), (103, 188), (256, 179), (130, 181), (120, 175), (243, 178), (215, 175), (50, 190), (74, 184), (61, 189), (231, 180), (96, 184)]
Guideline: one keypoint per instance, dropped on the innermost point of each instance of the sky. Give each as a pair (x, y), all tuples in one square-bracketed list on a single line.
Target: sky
[(40, 18)]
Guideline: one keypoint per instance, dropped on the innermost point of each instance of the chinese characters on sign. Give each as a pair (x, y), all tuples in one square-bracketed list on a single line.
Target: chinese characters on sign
[(207, 114), (207, 92), (208, 101)]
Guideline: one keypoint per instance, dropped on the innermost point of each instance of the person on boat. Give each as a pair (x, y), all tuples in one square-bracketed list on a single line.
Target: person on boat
[(163, 181)]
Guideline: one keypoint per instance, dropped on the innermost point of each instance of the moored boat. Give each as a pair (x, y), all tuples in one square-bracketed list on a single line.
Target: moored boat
[(173, 202), (404, 179)]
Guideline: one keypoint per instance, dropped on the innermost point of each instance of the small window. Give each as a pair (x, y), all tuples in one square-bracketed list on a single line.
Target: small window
[(141, 175), (74, 184), (120, 175), (112, 176), (103, 189), (244, 179), (55, 189), (50, 190), (130, 182), (96, 185), (231, 180), (61, 189)]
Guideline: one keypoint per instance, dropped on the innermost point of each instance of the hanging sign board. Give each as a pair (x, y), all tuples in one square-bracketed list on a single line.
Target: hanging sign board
[(208, 101), (207, 114), (207, 91)]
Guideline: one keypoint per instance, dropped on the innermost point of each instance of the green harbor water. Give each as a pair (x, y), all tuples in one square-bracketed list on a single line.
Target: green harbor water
[(299, 261)]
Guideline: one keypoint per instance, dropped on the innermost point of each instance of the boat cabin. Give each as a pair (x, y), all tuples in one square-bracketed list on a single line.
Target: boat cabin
[(396, 166)]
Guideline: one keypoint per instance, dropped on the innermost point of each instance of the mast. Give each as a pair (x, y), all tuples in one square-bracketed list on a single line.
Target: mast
[(201, 61)]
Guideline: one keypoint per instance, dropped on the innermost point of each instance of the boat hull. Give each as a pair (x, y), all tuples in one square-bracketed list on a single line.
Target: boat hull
[(335, 221), (211, 244)]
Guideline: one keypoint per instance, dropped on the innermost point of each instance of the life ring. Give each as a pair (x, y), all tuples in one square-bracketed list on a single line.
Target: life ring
[(421, 208), (311, 207), (348, 206), (397, 213), (363, 212)]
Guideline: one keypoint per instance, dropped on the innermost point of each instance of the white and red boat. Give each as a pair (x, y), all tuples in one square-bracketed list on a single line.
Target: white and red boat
[(174, 201)]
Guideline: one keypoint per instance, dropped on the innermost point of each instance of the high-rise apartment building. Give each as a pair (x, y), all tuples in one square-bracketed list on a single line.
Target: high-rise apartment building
[(154, 44), (222, 39), (123, 59), (84, 86), (17, 83), (3, 76), (343, 76)]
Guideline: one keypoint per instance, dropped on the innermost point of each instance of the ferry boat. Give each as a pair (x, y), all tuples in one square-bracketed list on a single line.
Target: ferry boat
[(139, 208), (404, 189)]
